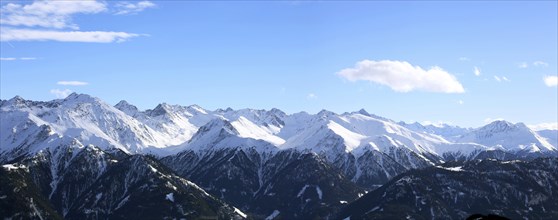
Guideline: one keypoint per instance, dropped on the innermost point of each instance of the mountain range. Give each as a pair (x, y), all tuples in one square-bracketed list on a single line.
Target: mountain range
[(81, 158)]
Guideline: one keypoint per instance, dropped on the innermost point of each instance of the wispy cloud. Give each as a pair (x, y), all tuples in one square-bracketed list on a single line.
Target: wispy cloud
[(464, 59), (9, 34), (544, 126), (15, 58), (48, 14), (476, 71), (501, 79), (461, 102), (311, 96), (132, 8), (52, 21), (537, 63), (61, 93), (72, 83), (551, 81), (401, 76), (436, 123), (540, 63)]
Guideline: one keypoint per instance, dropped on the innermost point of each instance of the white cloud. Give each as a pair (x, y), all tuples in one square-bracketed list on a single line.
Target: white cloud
[(464, 59), (52, 21), (460, 102), (311, 96), (72, 83), (551, 81), (14, 58), (501, 79), (401, 76), (61, 93), (476, 71), (523, 65), (544, 126), (540, 63), (439, 124), (48, 14), (9, 34), (131, 8)]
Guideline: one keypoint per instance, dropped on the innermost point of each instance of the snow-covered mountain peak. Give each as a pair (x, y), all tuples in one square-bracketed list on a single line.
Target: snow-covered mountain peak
[(75, 97), (92, 121), (221, 124), (501, 127), (80, 103), (498, 126), (197, 109), (277, 112), (16, 102), (514, 137), (218, 127), (448, 132), (123, 104), (127, 108), (17, 99), (413, 126), (160, 109), (220, 133), (325, 113), (363, 112)]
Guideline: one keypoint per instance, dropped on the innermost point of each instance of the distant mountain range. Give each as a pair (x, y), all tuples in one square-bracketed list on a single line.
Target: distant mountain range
[(81, 158)]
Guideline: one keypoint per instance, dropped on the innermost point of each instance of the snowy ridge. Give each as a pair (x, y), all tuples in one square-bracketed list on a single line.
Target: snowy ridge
[(508, 136), (219, 134), (169, 129), (251, 158)]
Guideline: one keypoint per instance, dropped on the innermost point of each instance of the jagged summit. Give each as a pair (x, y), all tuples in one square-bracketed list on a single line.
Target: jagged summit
[(325, 113), (218, 124), (247, 157), (16, 98), (127, 108), (160, 109), (363, 112), (124, 104), (509, 136), (498, 126), (125, 127), (81, 98)]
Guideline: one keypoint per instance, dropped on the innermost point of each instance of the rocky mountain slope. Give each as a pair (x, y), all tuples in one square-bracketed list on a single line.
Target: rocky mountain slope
[(85, 182), (515, 189), (251, 159)]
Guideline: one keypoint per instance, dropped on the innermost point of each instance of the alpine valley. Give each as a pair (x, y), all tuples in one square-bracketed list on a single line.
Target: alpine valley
[(81, 158)]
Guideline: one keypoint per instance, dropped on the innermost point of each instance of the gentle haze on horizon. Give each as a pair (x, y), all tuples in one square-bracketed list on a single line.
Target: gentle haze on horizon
[(464, 63)]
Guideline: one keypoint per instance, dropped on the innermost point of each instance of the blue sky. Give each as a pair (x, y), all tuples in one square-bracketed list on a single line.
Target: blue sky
[(410, 61)]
